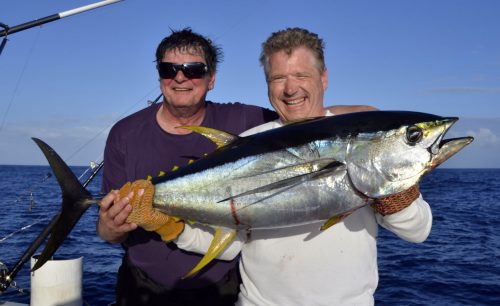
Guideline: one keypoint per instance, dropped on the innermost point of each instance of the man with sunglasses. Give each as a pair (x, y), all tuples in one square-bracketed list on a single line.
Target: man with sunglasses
[(147, 143)]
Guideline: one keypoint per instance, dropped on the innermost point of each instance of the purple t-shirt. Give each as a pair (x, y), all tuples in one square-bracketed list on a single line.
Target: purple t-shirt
[(137, 147)]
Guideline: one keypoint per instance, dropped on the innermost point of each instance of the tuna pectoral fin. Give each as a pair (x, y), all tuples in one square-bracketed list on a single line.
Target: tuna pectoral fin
[(285, 184), (222, 238), (220, 138), (75, 201)]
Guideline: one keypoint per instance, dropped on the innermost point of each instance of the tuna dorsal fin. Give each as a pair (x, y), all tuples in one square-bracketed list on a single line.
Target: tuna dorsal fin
[(222, 237), (220, 138)]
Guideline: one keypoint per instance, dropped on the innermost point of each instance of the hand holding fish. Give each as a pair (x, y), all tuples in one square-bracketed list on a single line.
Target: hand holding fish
[(144, 215), (396, 202), (113, 212)]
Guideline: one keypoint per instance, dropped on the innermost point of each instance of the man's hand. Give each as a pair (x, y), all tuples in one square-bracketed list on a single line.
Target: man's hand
[(113, 213), (144, 215), (396, 202)]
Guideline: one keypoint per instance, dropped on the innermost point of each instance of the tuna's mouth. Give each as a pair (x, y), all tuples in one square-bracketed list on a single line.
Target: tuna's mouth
[(446, 124), (448, 148), (442, 149)]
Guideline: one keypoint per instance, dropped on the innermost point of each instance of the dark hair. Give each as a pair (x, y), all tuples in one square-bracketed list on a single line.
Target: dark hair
[(290, 39), (186, 40)]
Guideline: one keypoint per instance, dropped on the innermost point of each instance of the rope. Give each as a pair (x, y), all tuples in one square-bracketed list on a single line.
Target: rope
[(32, 204), (109, 126), (16, 89), (23, 228)]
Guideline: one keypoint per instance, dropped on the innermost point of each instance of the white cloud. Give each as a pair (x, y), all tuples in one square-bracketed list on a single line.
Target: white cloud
[(484, 136), (483, 152), (77, 141)]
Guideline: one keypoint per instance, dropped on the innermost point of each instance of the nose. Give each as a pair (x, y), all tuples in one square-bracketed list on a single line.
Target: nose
[(291, 87), (179, 76)]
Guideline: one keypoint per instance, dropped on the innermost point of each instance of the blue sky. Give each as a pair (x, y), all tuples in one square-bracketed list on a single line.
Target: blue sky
[(68, 81)]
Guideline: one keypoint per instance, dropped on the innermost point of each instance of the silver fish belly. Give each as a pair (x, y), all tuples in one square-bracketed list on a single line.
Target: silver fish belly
[(238, 195)]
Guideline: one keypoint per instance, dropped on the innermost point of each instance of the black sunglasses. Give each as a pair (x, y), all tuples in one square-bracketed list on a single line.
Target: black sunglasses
[(194, 70)]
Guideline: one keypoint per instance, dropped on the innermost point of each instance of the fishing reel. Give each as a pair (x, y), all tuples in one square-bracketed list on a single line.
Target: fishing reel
[(4, 277), (7, 280)]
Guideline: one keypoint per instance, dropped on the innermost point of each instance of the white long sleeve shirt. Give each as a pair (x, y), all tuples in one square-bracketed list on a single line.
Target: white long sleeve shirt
[(302, 265)]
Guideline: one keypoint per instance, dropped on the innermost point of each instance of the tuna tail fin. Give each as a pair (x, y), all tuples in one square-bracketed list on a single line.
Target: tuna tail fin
[(222, 238), (75, 201)]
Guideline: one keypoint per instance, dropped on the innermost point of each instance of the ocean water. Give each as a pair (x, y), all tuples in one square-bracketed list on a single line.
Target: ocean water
[(459, 264)]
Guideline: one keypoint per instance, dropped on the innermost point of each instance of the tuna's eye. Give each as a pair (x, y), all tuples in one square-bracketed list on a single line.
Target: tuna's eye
[(414, 134)]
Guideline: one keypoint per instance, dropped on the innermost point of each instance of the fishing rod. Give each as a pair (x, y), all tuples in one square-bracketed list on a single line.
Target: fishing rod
[(6, 276), (30, 24)]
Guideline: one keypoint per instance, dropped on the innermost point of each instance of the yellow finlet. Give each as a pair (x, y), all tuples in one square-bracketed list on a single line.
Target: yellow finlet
[(161, 173), (175, 168), (220, 138), (222, 238), (331, 222), (334, 220)]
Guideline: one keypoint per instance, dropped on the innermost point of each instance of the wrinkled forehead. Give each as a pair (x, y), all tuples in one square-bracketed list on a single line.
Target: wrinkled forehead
[(301, 55)]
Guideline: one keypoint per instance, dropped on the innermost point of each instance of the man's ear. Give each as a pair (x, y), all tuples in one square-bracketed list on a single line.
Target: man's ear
[(324, 79), (211, 83)]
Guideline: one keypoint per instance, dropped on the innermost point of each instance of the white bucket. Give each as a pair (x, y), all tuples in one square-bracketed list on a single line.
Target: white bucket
[(57, 282)]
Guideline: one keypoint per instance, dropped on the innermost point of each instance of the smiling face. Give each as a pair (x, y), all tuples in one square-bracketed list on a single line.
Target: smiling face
[(182, 92), (296, 85)]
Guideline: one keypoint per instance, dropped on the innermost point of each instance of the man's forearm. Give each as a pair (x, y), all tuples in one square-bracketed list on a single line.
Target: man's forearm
[(412, 224)]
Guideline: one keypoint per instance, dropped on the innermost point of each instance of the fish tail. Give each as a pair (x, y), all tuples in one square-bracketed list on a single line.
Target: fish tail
[(75, 201)]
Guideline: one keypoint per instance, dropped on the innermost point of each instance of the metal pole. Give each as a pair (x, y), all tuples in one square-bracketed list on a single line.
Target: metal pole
[(55, 17)]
